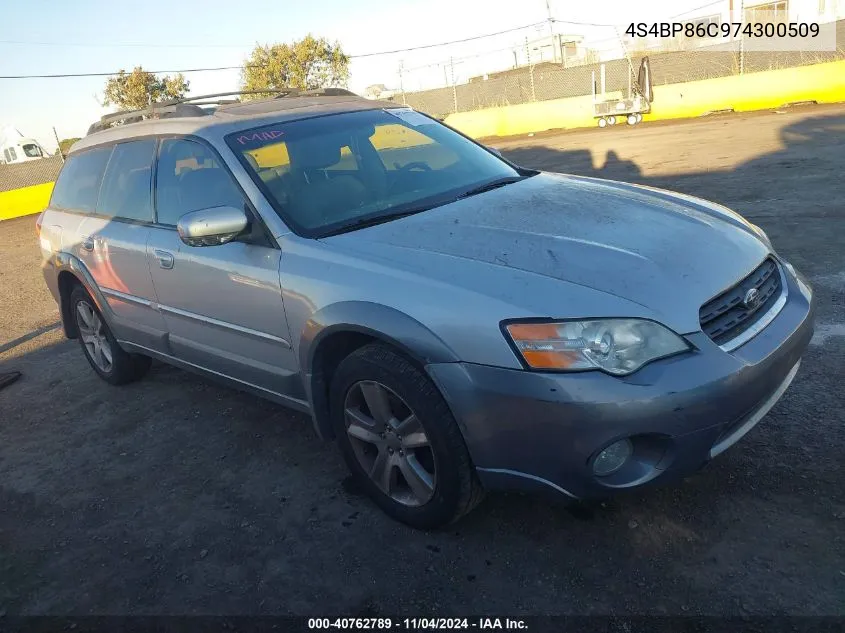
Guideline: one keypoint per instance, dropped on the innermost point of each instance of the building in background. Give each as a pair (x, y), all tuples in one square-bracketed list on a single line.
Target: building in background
[(378, 91), (556, 48)]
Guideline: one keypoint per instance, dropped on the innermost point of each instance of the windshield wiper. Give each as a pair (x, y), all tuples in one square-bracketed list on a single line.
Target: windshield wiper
[(488, 186), (387, 217), (379, 219)]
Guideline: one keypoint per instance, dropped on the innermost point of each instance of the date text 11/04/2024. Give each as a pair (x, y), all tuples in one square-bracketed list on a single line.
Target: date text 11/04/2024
[(413, 624), (723, 30)]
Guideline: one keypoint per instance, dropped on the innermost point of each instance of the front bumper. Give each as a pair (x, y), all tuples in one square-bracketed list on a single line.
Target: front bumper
[(528, 430)]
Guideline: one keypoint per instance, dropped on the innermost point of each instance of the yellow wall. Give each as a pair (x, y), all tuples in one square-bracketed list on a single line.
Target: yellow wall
[(18, 202), (755, 91)]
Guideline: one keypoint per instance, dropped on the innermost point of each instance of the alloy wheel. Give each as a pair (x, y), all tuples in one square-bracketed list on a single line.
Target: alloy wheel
[(390, 443), (93, 335)]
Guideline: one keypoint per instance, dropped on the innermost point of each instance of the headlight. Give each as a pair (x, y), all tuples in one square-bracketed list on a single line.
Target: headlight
[(617, 346)]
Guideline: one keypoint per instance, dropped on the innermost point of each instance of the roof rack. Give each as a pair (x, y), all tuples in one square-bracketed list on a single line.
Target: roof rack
[(188, 106), (326, 92)]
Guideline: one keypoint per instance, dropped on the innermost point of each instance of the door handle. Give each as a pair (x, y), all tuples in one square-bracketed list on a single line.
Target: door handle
[(88, 243), (165, 259)]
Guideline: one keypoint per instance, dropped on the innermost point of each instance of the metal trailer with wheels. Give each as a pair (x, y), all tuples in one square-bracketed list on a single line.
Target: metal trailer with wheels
[(629, 109)]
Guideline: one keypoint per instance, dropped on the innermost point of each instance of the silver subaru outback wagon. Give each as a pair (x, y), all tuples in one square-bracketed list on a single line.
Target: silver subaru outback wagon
[(455, 322)]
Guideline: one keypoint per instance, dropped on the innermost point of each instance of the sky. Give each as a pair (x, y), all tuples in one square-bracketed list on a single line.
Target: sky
[(77, 36)]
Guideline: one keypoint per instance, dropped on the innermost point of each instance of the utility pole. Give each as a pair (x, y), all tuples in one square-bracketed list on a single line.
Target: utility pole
[(530, 69), (454, 88), (59, 145), (551, 21), (401, 82)]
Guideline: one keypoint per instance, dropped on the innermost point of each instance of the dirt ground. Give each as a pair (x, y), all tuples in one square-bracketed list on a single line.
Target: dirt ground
[(176, 496)]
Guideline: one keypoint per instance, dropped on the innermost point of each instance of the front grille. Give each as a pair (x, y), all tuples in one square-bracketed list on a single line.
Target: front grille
[(727, 316)]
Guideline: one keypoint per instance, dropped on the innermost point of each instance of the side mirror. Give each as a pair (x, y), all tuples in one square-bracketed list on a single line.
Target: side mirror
[(496, 151), (211, 227)]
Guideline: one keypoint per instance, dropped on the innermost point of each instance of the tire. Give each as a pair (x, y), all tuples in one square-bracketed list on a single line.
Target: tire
[(611, 120), (123, 366), (602, 122), (454, 488), (639, 117), (632, 119)]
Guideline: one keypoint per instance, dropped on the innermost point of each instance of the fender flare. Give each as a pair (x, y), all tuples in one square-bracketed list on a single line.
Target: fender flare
[(380, 322), (66, 262)]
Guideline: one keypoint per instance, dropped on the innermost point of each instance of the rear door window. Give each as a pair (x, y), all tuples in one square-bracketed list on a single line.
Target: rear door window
[(78, 185), (126, 191)]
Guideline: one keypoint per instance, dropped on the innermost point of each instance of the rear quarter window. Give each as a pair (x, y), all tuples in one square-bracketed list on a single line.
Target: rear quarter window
[(78, 185)]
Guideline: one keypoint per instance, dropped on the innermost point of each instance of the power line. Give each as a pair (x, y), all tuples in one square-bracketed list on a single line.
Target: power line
[(466, 39), (581, 23), (120, 44), (141, 45), (220, 68), (444, 62), (155, 72), (703, 6), (197, 70)]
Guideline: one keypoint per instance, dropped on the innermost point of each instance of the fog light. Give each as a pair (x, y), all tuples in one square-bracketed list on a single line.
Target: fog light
[(612, 458)]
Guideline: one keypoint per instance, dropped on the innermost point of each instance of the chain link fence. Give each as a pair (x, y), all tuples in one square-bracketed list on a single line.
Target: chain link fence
[(34, 172), (464, 86)]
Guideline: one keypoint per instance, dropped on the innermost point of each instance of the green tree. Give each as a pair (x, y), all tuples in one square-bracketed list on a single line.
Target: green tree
[(304, 65), (65, 145), (139, 89)]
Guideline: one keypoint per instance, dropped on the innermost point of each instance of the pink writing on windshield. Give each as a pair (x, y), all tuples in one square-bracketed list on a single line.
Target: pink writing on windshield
[(271, 135)]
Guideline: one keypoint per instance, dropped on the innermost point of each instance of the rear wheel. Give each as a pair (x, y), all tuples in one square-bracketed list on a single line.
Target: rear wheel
[(632, 119), (611, 120), (400, 440), (602, 122), (104, 354)]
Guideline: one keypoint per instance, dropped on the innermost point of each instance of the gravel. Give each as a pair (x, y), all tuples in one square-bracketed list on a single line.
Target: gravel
[(176, 496)]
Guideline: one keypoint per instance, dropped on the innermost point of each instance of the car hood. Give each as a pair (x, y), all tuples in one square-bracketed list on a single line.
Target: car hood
[(667, 252)]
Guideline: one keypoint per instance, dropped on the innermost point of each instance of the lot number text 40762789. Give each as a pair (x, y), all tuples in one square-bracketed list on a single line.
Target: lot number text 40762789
[(413, 624)]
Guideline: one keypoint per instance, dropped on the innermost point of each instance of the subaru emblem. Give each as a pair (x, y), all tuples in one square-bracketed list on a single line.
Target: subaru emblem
[(751, 299)]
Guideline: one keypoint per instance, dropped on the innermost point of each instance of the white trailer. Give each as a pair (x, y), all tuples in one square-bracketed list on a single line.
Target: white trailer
[(16, 148)]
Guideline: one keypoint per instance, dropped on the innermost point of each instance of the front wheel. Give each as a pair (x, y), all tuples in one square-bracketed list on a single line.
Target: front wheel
[(104, 354), (400, 440)]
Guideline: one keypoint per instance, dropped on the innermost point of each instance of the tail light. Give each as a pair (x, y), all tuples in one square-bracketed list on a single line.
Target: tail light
[(38, 224)]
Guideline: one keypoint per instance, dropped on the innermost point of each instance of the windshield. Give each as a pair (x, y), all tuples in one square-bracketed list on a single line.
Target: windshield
[(332, 172), (33, 151)]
